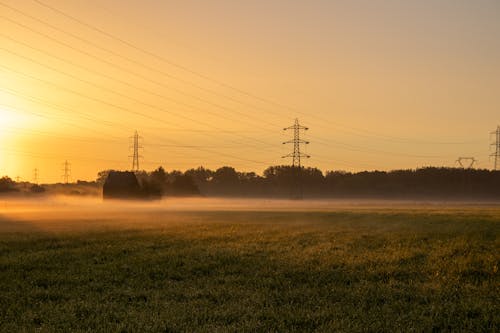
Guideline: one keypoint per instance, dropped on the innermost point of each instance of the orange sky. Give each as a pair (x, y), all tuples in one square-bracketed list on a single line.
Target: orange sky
[(381, 84)]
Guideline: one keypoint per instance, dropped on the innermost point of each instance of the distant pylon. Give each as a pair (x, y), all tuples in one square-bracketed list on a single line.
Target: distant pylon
[(296, 156), (136, 146), (469, 160), (35, 176), (496, 145), (67, 172), (18, 179)]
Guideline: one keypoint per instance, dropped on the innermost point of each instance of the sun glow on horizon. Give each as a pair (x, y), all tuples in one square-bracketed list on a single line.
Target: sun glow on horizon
[(11, 121), (8, 119), (381, 85)]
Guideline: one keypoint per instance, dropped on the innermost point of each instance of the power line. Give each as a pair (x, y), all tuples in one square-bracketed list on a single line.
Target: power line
[(155, 70), (340, 145), (214, 81), (109, 104), (349, 147), (206, 77), (343, 146), (54, 106), (356, 148), (108, 141), (133, 73), (147, 104), (107, 123), (142, 50), (496, 145), (175, 144), (92, 159), (127, 70), (114, 92), (93, 119)]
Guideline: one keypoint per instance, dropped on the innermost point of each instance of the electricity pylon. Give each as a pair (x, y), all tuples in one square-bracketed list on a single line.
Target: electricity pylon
[(136, 147), (469, 160), (296, 156), (35, 176), (67, 172), (496, 145)]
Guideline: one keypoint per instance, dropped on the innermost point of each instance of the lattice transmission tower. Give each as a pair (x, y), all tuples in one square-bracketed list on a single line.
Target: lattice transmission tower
[(66, 172), (136, 146), (496, 145), (296, 156), (466, 162), (35, 176)]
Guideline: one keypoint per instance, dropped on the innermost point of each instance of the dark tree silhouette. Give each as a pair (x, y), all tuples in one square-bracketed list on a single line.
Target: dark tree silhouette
[(276, 181), (184, 185), (7, 185), (102, 176)]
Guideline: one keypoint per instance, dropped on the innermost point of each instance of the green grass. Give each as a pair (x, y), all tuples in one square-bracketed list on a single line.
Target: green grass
[(352, 271)]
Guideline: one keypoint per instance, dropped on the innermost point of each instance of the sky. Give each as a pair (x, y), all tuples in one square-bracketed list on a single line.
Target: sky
[(380, 84)]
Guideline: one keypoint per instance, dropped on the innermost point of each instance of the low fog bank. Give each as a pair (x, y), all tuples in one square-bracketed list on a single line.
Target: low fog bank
[(67, 213), (62, 203)]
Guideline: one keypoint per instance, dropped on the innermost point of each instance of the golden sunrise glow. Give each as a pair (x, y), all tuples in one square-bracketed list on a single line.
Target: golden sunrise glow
[(381, 85), (9, 118)]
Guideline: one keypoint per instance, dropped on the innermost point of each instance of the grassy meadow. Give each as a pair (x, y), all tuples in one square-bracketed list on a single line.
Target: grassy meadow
[(352, 270)]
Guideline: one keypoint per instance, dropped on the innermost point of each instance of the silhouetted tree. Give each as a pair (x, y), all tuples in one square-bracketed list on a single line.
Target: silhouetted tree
[(225, 176), (184, 185), (200, 174), (7, 185), (159, 176), (102, 176)]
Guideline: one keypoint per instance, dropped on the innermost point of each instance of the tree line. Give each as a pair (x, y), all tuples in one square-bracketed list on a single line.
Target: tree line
[(282, 181)]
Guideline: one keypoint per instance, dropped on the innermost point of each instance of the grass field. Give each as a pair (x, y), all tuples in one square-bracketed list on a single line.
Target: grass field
[(69, 268)]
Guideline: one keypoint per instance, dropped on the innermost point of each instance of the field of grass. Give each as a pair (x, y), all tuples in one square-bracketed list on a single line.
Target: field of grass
[(255, 271)]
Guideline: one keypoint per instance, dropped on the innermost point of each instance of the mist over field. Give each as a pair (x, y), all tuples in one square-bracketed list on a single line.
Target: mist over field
[(59, 212)]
